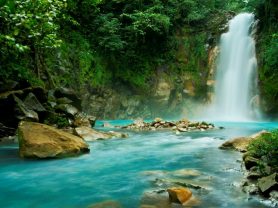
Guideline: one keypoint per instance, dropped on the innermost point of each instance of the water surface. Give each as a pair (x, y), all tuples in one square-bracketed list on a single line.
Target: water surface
[(114, 170)]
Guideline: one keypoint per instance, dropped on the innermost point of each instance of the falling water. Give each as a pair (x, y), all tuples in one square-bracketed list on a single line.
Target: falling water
[(236, 78)]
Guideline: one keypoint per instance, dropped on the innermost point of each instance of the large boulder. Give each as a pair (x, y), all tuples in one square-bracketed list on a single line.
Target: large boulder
[(241, 143), (42, 141)]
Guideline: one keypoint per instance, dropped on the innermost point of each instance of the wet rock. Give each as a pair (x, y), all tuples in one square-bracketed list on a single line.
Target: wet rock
[(23, 112), (70, 94), (6, 131), (42, 141), (82, 119), (241, 143), (8, 140), (251, 189), (89, 134), (274, 198), (107, 125), (106, 204), (249, 162), (179, 195), (33, 103), (155, 199), (179, 126), (253, 175), (68, 109), (268, 183), (186, 172), (64, 100)]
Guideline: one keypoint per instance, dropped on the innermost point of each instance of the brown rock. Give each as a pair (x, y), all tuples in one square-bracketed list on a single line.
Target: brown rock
[(241, 143), (179, 195), (42, 141)]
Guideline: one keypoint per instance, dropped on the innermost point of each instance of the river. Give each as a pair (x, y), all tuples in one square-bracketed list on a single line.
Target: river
[(125, 169)]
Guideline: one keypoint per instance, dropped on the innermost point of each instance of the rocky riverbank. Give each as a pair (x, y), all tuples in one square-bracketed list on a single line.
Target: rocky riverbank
[(259, 163)]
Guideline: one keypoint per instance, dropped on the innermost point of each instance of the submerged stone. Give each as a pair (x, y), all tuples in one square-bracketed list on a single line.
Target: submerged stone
[(106, 204), (89, 134)]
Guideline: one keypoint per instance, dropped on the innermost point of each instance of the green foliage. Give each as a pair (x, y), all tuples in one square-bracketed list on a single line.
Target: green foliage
[(266, 146), (60, 121), (267, 12), (28, 30)]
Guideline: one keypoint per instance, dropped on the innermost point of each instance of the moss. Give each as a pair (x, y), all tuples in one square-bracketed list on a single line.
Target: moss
[(266, 149)]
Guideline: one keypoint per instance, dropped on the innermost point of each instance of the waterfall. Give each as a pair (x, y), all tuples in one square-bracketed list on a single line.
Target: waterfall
[(236, 75)]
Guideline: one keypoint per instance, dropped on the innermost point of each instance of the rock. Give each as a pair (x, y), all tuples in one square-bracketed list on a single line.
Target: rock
[(23, 112), (155, 199), (268, 183), (274, 195), (115, 134), (42, 141), (64, 100), (160, 199), (67, 109), (107, 204), (82, 119), (253, 175), (6, 131), (70, 94), (89, 134), (157, 120), (107, 125), (186, 172), (274, 198), (250, 189), (179, 195), (241, 143), (249, 162), (33, 103)]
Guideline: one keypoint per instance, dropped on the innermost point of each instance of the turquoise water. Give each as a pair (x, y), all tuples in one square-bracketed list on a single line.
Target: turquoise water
[(114, 170)]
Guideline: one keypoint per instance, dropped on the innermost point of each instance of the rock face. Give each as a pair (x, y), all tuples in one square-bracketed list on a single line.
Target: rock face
[(241, 143), (43, 141), (179, 195)]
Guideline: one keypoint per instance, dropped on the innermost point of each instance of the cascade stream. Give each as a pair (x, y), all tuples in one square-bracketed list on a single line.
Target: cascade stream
[(236, 76)]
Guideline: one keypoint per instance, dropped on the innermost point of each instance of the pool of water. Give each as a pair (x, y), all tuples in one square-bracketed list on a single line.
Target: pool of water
[(115, 170)]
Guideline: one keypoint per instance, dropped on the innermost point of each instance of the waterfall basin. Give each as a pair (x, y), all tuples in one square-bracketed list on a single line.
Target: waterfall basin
[(116, 170)]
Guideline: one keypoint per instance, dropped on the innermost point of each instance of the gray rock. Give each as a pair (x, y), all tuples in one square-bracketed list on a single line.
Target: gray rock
[(249, 162), (23, 112), (70, 94), (268, 183), (67, 109), (89, 134), (253, 175), (250, 189), (32, 103)]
